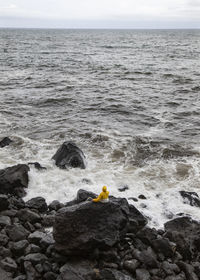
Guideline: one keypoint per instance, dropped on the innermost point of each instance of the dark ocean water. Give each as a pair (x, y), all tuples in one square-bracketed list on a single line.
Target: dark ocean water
[(129, 98)]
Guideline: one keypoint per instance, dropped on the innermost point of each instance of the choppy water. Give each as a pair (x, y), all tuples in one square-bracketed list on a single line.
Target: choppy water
[(129, 99)]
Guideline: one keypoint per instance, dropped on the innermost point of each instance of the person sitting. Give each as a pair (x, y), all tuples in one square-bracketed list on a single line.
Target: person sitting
[(103, 197)]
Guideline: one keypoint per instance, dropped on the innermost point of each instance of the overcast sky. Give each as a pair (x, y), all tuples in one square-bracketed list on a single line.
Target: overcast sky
[(100, 13)]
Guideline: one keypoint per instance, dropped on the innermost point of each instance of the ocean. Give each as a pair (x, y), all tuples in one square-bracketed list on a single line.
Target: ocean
[(130, 99)]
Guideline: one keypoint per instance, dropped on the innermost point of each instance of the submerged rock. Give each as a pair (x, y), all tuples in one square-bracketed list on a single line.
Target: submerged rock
[(191, 198), (69, 155), (82, 228), (37, 165), (14, 179)]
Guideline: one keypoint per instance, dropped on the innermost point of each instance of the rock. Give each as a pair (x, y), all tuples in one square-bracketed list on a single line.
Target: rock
[(29, 216), (170, 268), (5, 142), (147, 235), (185, 233), (37, 165), (31, 249), (19, 247), (113, 274), (31, 273), (83, 195), (142, 274), (10, 213), (123, 188), (5, 252), (90, 225), (35, 258), (133, 198), (16, 202), (8, 264), (20, 277), (189, 270), (5, 221), (50, 276), (136, 219), (14, 179), (16, 232), (3, 239), (47, 241), (36, 237), (4, 275), (69, 155), (55, 205), (48, 220), (76, 271), (141, 196), (37, 203), (191, 198), (163, 246), (4, 203), (131, 265), (148, 258)]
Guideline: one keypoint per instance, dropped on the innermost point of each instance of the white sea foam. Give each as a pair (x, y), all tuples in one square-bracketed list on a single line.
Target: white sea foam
[(160, 181)]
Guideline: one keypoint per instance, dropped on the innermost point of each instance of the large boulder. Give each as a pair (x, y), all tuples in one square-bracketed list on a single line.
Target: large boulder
[(82, 228), (69, 155), (184, 232), (14, 179), (190, 198)]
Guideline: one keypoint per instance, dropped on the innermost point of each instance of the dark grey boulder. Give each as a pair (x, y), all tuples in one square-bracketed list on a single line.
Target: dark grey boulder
[(164, 246), (5, 221), (37, 203), (27, 215), (35, 258), (5, 142), (8, 264), (16, 232), (14, 179), (4, 275), (123, 188), (69, 155), (142, 274), (19, 247), (3, 239), (31, 273), (82, 228), (136, 219), (36, 237), (185, 233), (190, 198), (188, 269), (55, 205), (131, 265)]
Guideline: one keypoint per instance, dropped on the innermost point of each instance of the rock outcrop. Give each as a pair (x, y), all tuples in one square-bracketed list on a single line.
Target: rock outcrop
[(69, 155)]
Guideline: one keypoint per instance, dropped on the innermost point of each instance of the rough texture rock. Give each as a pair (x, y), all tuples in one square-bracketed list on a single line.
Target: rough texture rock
[(37, 203), (136, 219), (37, 165), (76, 271), (14, 179), (16, 232), (29, 216), (113, 274), (69, 155), (76, 230), (185, 233), (5, 142), (191, 198)]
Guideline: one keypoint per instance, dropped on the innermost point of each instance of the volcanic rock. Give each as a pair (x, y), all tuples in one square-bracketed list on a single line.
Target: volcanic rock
[(14, 179), (37, 203), (191, 198), (82, 228), (5, 142), (69, 155), (37, 165)]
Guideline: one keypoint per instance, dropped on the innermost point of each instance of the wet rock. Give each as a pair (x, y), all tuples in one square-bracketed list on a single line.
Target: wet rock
[(31, 249), (90, 226), (83, 195), (133, 198), (141, 196), (69, 155), (5, 252), (27, 215), (142, 274), (8, 264), (123, 188), (170, 268), (50, 276), (16, 202), (14, 179), (147, 235), (10, 213), (148, 258), (190, 198), (37, 165), (5, 142), (16, 232), (48, 220), (4, 203), (47, 241), (5, 221), (37, 203)]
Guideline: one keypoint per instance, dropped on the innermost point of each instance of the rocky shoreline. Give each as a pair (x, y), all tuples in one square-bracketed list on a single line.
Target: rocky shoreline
[(83, 240)]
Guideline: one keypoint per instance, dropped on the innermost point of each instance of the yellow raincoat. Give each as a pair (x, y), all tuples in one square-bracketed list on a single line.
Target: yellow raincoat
[(103, 197)]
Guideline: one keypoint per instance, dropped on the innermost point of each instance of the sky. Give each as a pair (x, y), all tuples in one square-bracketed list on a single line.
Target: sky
[(100, 13)]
